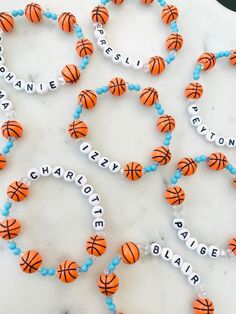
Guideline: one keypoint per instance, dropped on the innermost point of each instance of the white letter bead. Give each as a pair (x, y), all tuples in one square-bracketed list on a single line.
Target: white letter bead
[(220, 141), (176, 261), (192, 243), (6, 105), (155, 249), (98, 224), (202, 249), (231, 142), (166, 254), (196, 120), (33, 174), (117, 58), (214, 251), (69, 176), (85, 148), (193, 110), (3, 70), (210, 136), (58, 172), (9, 77), (194, 280), (184, 234), (19, 84), (94, 199), (103, 162), (87, 190), (202, 129), (1, 49), (178, 223), (80, 180), (114, 166), (3, 94), (102, 42), (94, 155), (108, 52), (2, 60), (30, 87), (45, 170), (186, 269), (53, 85), (138, 64), (42, 89), (99, 32), (97, 211), (126, 61)]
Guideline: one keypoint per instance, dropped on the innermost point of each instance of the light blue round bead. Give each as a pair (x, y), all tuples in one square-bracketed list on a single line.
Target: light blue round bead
[(105, 89), (5, 212), (5, 150), (82, 66), (111, 307), (148, 169), (198, 159), (154, 167), (227, 53), (168, 136), (7, 205), (12, 245), (158, 106), (233, 171), (196, 77), (14, 13), (166, 143), (137, 87), (161, 111), (99, 91), (84, 268), (51, 271), (89, 262), (44, 271), (108, 301), (203, 158), (111, 267), (168, 60), (79, 109), (172, 57), (20, 12), (131, 86), (116, 261), (76, 115), (229, 166), (173, 180), (48, 14), (10, 144), (54, 16), (17, 251), (177, 174)]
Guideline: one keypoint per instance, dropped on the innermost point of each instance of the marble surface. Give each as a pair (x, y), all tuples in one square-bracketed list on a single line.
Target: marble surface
[(56, 218)]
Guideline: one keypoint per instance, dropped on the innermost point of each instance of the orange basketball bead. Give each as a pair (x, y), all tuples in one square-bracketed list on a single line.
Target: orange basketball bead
[(161, 155), (67, 271), (118, 1), (9, 229), (156, 65), (6, 22), (147, 1), (174, 42), (87, 98), (108, 284), (12, 128), (169, 14), (78, 129), (33, 12), (232, 58), (208, 60), (17, 191), (70, 73), (133, 171), (66, 22), (175, 195), (3, 162), (100, 15), (129, 253), (188, 166), (234, 182), (203, 306), (117, 86), (194, 91), (84, 47), (232, 245), (96, 245), (217, 161), (30, 261), (148, 96), (166, 123)]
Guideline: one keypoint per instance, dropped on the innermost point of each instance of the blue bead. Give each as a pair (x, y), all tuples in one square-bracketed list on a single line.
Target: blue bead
[(173, 180), (158, 106), (233, 171), (51, 271), (108, 301), (5, 150), (177, 174), (89, 262), (148, 169), (161, 111), (227, 53), (111, 307), (221, 53), (137, 87), (84, 268), (9, 144), (76, 115), (99, 91), (166, 143), (5, 212), (104, 2), (172, 57), (54, 16), (86, 61), (79, 109), (154, 167), (12, 245), (105, 89), (20, 12), (44, 271), (203, 158), (48, 14), (14, 13), (111, 267), (168, 60), (116, 261), (82, 66), (196, 77), (229, 166), (198, 159), (131, 86), (17, 251), (7, 205), (162, 3), (168, 136)]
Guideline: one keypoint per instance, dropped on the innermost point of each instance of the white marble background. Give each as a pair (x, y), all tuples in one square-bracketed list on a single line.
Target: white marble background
[(56, 218)]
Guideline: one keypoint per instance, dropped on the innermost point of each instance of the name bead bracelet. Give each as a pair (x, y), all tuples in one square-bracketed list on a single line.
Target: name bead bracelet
[(31, 261), (67, 22), (156, 64), (175, 196), (130, 253), (147, 97)]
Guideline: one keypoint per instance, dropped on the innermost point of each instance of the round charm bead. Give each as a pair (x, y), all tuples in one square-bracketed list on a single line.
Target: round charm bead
[(169, 14), (166, 123), (108, 284), (148, 96), (33, 12), (30, 261), (174, 42), (133, 171), (3, 162), (9, 229), (208, 60), (100, 15), (17, 191), (194, 91), (161, 155), (156, 65), (175, 195), (201, 306), (188, 166), (96, 245), (12, 128), (217, 161), (67, 271), (84, 47), (130, 253), (87, 98), (6, 22), (232, 245), (117, 86), (78, 129), (66, 22), (70, 73)]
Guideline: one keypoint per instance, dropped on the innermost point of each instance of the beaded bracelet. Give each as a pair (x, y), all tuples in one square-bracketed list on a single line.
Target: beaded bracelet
[(31, 260), (149, 96), (156, 64), (11, 129), (129, 253), (67, 22), (194, 92), (175, 197)]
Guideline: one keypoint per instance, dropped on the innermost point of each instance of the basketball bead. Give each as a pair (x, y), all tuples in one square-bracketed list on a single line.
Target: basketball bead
[(70, 73), (66, 22), (148, 96), (194, 91), (147, 2), (67, 271), (84, 47), (78, 129), (108, 284), (133, 171), (129, 253), (96, 245), (17, 191), (9, 229), (30, 261), (156, 65), (208, 60), (217, 161), (234, 182), (118, 1), (166, 123), (87, 98), (3, 162), (188, 166), (117, 86), (33, 12), (232, 58), (174, 195), (203, 306), (174, 42), (169, 14), (232, 245), (12, 128), (100, 15), (161, 155), (6, 22)]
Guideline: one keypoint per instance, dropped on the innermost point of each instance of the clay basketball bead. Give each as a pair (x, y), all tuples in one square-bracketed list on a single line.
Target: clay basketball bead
[(118, 1), (174, 42), (133, 171), (67, 271), (188, 166), (3, 162), (78, 129), (147, 2), (12, 128), (232, 58), (117, 86), (17, 191), (84, 47), (234, 182), (203, 306), (100, 15), (208, 60), (129, 253), (96, 245), (166, 123), (30, 261), (9, 229), (66, 22), (108, 284), (33, 12), (70, 73), (87, 98), (175, 195), (148, 96), (156, 65), (194, 91), (217, 161), (169, 14), (232, 245), (6, 22), (161, 155)]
